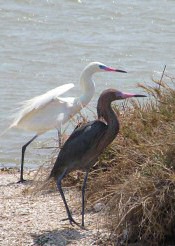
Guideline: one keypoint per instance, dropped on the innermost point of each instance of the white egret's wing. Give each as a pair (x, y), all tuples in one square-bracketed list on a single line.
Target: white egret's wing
[(39, 102)]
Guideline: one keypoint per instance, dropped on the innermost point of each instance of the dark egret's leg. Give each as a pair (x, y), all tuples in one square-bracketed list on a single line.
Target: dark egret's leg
[(71, 220), (83, 193), (22, 158), (59, 138)]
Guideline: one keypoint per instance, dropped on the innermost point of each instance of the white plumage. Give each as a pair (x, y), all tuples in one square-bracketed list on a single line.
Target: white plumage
[(51, 110), (44, 112)]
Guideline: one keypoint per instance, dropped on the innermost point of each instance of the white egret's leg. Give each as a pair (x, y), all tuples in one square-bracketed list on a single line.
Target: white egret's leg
[(22, 158)]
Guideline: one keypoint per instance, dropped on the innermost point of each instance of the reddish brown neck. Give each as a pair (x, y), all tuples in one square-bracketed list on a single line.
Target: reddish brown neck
[(105, 111)]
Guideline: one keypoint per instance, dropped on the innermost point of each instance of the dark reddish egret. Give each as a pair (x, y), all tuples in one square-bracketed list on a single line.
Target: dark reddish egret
[(87, 142)]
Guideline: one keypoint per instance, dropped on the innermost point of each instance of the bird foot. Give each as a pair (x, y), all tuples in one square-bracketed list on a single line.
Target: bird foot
[(21, 181), (72, 221)]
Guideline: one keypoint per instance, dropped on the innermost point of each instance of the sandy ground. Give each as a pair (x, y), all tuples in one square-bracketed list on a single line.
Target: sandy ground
[(37, 220)]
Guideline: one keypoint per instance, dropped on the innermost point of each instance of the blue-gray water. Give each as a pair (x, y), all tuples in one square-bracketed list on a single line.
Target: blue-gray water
[(44, 44)]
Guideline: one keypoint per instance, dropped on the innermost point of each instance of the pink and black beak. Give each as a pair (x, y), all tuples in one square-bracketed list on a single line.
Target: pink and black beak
[(128, 95), (110, 69)]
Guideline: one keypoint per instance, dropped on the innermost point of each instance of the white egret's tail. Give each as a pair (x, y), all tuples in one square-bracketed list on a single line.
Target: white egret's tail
[(5, 131)]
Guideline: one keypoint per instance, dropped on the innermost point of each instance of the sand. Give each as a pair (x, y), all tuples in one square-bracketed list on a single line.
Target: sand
[(26, 219)]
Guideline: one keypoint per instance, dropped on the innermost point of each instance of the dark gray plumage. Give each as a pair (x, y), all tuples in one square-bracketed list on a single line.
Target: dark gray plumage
[(87, 142)]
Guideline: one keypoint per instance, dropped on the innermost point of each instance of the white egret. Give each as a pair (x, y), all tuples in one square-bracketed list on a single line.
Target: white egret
[(50, 111)]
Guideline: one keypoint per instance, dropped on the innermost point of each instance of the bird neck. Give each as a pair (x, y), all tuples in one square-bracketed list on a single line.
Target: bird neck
[(106, 112), (88, 87)]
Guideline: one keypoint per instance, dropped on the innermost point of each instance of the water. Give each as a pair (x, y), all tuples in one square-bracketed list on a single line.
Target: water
[(44, 44)]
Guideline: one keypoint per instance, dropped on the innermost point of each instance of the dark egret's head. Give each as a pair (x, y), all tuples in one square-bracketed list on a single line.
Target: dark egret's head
[(110, 95)]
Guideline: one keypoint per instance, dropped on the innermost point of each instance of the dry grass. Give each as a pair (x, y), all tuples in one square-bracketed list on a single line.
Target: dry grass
[(135, 177)]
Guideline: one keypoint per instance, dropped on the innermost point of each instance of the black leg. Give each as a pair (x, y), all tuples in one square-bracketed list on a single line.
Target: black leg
[(22, 158), (71, 220), (83, 193), (59, 139)]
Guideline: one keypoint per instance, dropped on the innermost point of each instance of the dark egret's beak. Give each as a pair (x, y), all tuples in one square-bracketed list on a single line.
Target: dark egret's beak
[(128, 95), (138, 95)]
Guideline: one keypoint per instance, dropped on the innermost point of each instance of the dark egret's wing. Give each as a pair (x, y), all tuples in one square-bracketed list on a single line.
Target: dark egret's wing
[(83, 140), (85, 137)]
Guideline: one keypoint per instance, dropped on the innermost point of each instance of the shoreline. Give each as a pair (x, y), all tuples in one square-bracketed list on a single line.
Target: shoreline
[(37, 220)]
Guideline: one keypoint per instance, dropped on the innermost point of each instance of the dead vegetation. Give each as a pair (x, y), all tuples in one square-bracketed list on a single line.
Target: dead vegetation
[(135, 176)]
